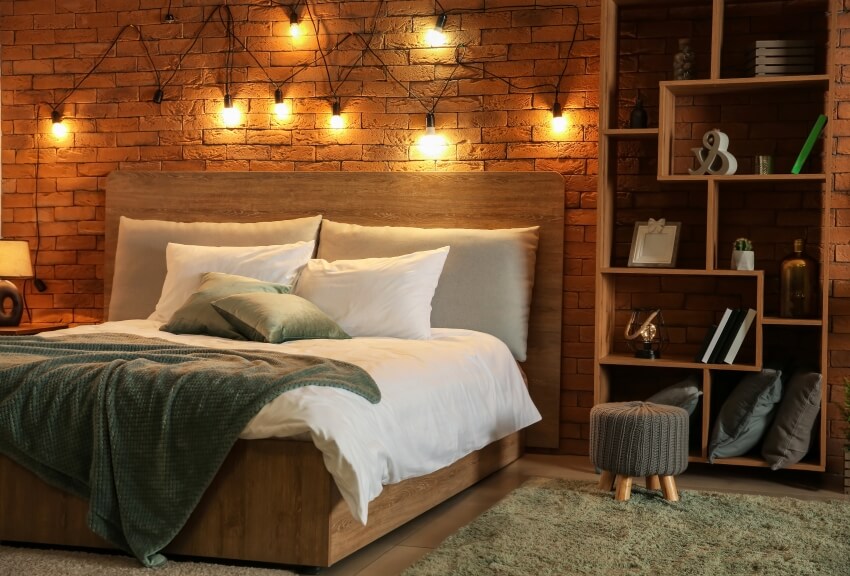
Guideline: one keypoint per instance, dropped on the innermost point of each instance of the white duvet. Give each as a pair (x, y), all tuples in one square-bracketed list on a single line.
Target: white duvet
[(440, 400)]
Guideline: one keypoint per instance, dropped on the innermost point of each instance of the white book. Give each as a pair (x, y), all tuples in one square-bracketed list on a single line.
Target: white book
[(720, 326), (739, 337)]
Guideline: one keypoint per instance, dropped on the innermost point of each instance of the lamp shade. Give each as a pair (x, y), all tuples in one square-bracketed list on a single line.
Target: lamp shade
[(15, 259)]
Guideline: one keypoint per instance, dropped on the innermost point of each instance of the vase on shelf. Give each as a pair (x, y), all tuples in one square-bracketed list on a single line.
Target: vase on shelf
[(798, 283), (683, 61), (638, 117)]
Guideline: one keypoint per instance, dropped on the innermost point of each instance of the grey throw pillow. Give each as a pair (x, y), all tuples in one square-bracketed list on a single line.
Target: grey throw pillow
[(789, 436), (684, 394), (197, 315), (276, 318), (745, 415)]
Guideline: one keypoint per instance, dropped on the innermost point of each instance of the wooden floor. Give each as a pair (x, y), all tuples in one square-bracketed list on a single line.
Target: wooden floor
[(390, 555)]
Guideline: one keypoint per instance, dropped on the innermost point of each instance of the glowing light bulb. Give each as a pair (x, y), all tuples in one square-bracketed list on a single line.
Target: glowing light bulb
[(230, 114), (431, 144), (559, 121), (59, 128), (282, 108), (294, 26), (435, 36), (336, 117)]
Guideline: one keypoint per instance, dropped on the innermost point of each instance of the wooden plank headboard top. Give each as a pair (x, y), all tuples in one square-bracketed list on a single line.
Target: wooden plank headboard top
[(421, 199)]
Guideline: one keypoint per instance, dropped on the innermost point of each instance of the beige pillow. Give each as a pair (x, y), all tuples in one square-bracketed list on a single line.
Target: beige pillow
[(140, 253), (486, 281)]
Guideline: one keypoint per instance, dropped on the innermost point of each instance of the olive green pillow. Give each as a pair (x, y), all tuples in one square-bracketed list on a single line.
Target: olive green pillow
[(789, 436), (277, 318), (197, 315)]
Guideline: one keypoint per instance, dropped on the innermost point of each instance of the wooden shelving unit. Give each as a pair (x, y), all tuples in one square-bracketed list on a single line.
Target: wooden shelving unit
[(712, 208)]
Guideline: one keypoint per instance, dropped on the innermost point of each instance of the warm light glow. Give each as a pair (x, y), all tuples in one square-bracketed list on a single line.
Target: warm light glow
[(431, 144), (230, 114), (435, 37), (282, 108), (294, 27), (60, 129), (559, 121), (336, 116)]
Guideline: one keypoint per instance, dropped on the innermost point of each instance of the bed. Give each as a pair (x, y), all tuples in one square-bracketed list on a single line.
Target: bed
[(273, 500)]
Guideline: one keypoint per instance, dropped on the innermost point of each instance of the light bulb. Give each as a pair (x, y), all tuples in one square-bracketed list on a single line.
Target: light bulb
[(559, 121), (230, 114), (282, 109), (435, 36), (431, 144), (59, 128), (336, 117), (294, 26)]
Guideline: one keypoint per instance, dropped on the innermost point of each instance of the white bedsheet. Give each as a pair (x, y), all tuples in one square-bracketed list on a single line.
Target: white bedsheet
[(441, 399)]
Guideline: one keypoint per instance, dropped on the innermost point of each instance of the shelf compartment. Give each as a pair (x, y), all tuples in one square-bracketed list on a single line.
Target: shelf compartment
[(819, 177), (754, 462), (729, 85), (681, 272), (632, 133), (777, 321)]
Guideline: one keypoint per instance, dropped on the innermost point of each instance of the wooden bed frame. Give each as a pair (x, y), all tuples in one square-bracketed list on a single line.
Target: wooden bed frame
[(273, 500)]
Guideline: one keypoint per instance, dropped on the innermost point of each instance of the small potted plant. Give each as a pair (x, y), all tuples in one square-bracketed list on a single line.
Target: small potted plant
[(743, 257)]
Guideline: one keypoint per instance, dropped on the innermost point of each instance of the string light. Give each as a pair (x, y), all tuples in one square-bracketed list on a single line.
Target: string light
[(435, 36), (336, 117), (230, 114), (294, 25), (559, 121), (281, 107), (59, 128), (431, 144)]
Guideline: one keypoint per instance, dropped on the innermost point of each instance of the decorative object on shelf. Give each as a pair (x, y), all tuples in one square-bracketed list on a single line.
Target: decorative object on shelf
[(798, 284), (808, 144), (715, 147), (655, 243), (646, 333), (781, 58), (743, 257), (638, 117), (763, 164), (683, 61), (15, 263)]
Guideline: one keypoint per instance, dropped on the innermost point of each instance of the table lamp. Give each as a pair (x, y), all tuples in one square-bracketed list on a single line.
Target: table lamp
[(14, 263)]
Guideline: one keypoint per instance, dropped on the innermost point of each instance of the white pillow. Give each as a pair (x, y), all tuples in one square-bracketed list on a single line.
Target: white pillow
[(186, 264), (376, 296)]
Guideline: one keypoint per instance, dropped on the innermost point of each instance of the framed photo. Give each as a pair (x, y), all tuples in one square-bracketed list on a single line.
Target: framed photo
[(654, 244)]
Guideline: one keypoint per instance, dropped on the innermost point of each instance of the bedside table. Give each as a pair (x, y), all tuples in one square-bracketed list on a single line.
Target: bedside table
[(28, 329)]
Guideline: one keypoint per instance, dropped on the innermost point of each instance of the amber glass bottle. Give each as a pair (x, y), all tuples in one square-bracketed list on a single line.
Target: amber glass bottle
[(798, 283)]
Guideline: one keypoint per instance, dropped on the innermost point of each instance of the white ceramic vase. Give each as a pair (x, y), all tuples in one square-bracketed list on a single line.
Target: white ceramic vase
[(743, 260)]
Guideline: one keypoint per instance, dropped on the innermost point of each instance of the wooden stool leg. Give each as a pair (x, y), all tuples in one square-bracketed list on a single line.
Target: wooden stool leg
[(653, 483), (606, 480), (668, 487), (624, 488)]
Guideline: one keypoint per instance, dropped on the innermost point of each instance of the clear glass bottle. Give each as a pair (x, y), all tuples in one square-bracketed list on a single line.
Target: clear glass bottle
[(798, 284)]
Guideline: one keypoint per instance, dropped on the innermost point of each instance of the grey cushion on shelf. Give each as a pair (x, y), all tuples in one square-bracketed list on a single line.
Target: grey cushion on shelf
[(746, 415), (276, 318), (140, 253), (684, 394), (486, 282), (639, 438), (197, 315), (789, 436)]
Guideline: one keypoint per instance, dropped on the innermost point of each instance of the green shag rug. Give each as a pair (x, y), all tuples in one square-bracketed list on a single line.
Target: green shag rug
[(564, 528)]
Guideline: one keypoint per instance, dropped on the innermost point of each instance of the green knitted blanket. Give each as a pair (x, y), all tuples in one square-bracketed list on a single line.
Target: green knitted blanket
[(140, 426)]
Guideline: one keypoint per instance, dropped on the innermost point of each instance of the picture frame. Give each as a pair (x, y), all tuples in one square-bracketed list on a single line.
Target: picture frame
[(655, 243)]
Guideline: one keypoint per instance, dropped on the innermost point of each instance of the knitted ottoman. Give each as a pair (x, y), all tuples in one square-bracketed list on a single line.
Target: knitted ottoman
[(639, 439)]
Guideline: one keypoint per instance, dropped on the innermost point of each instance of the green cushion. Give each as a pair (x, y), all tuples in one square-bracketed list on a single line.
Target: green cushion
[(746, 414), (277, 318), (789, 436), (197, 315)]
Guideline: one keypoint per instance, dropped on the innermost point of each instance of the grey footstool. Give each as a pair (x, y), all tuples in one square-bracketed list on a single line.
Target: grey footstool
[(639, 439)]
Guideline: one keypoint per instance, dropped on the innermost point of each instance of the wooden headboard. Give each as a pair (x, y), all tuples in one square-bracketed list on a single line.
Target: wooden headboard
[(426, 200)]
